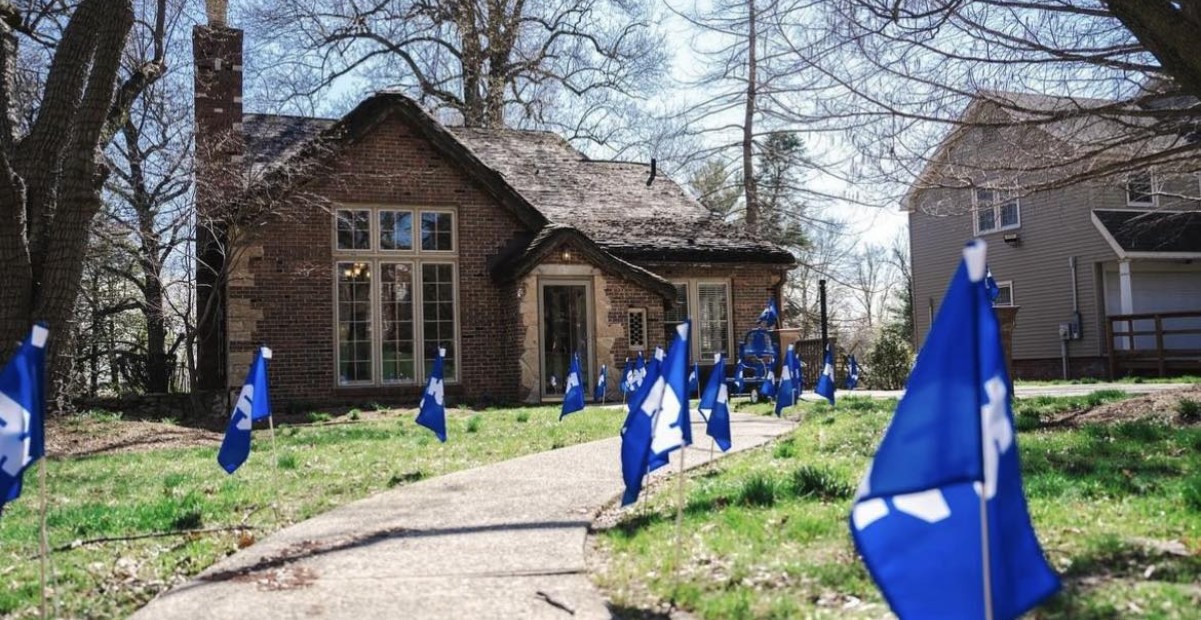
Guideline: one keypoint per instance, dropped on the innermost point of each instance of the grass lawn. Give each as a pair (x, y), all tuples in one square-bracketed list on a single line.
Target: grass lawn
[(1117, 508), (320, 467)]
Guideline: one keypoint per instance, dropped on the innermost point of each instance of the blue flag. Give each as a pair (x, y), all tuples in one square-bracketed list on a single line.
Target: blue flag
[(22, 412), (943, 496), (739, 380), (770, 315), (433, 402), (825, 382), (715, 406), (694, 379), (573, 390), (636, 436), (639, 371), (767, 389), (602, 382), (661, 418), (852, 373), (253, 404), (786, 396), (627, 380), (994, 291)]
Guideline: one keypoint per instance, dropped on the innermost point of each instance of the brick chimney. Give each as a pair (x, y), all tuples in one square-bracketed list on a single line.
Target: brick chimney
[(217, 49)]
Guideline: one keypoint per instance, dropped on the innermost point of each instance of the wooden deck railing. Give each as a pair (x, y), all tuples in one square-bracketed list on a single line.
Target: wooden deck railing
[(1160, 341)]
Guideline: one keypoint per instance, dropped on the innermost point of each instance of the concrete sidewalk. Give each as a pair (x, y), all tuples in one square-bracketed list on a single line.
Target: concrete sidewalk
[(502, 541), (1029, 391)]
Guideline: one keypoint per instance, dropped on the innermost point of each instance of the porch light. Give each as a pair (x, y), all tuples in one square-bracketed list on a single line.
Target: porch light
[(566, 254)]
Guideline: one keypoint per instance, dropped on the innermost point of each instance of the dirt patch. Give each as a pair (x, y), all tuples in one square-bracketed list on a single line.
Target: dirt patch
[(83, 436), (1157, 406)]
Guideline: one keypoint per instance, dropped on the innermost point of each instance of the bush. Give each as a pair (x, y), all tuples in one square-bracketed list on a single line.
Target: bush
[(317, 416), (1189, 410), (820, 483), (474, 423), (888, 363), (757, 490)]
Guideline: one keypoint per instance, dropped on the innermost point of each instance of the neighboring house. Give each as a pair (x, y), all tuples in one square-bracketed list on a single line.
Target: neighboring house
[(509, 248), (1083, 260)]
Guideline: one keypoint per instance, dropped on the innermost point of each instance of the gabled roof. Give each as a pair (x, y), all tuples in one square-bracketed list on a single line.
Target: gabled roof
[(528, 251), (1065, 129), (543, 180), (1151, 234)]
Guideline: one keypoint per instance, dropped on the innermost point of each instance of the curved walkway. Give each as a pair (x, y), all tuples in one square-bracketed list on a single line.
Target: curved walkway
[(502, 541)]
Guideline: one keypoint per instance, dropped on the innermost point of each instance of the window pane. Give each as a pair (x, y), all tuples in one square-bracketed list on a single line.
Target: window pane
[(395, 230), (984, 197), (354, 230), (986, 220), (354, 322), (438, 320), (396, 316), (1005, 297), (436, 231), (1139, 189), (1009, 213), (676, 314), (713, 322)]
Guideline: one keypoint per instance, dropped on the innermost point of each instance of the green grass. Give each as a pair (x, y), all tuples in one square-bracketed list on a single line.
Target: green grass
[(320, 467), (1117, 508)]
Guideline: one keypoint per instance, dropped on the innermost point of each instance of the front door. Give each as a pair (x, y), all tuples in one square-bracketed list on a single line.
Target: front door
[(565, 332)]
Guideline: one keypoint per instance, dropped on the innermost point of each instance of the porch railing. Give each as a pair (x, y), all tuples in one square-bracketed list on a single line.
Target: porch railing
[(1159, 341)]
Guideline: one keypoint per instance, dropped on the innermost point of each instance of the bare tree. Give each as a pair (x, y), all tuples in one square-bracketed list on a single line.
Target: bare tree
[(52, 169), (1069, 91), (491, 63)]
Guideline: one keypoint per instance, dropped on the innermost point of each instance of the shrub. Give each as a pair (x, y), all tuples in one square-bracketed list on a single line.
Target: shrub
[(355, 414), (888, 363), (474, 423), (820, 483), (523, 416), (758, 489), (1189, 410), (287, 460), (318, 416)]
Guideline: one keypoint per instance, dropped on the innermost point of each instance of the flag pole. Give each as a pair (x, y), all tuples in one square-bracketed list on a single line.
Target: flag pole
[(985, 559), (43, 542), (679, 517), (274, 454)]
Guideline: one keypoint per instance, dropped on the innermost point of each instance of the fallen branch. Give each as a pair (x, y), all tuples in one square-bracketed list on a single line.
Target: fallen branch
[(107, 539)]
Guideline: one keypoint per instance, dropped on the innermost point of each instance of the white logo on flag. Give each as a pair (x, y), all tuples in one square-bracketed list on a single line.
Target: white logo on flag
[(997, 433), (245, 406), (14, 449), (573, 381), (436, 390)]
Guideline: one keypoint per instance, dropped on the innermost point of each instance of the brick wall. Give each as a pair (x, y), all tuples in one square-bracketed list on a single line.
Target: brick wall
[(288, 289)]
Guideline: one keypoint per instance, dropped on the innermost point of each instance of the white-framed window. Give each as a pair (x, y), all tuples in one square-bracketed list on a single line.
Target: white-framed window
[(1005, 296), (1140, 190), (636, 328), (708, 303), (396, 294), (994, 210)]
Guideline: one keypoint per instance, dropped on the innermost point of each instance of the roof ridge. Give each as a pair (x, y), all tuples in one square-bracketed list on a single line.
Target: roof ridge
[(309, 118)]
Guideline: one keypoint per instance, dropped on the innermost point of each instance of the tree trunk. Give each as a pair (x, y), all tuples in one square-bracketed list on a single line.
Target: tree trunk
[(748, 123)]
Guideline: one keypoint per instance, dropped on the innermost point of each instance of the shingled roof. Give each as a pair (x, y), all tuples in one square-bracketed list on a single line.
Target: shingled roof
[(609, 202), (1150, 234)]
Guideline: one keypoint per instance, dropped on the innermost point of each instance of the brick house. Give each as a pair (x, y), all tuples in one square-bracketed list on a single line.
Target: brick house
[(509, 248)]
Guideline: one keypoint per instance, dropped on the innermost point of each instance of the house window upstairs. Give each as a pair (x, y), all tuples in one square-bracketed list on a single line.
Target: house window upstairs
[(994, 210), (1140, 190)]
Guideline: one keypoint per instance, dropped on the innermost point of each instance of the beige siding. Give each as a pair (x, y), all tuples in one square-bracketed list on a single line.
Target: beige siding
[(1056, 225)]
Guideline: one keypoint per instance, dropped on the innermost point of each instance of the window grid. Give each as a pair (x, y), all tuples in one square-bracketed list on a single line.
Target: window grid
[(354, 323), (438, 314), (995, 211), (395, 230), (713, 320), (385, 336), (1140, 190), (397, 340)]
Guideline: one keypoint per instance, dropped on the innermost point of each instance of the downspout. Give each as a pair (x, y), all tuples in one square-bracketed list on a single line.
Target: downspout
[(1072, 323)]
